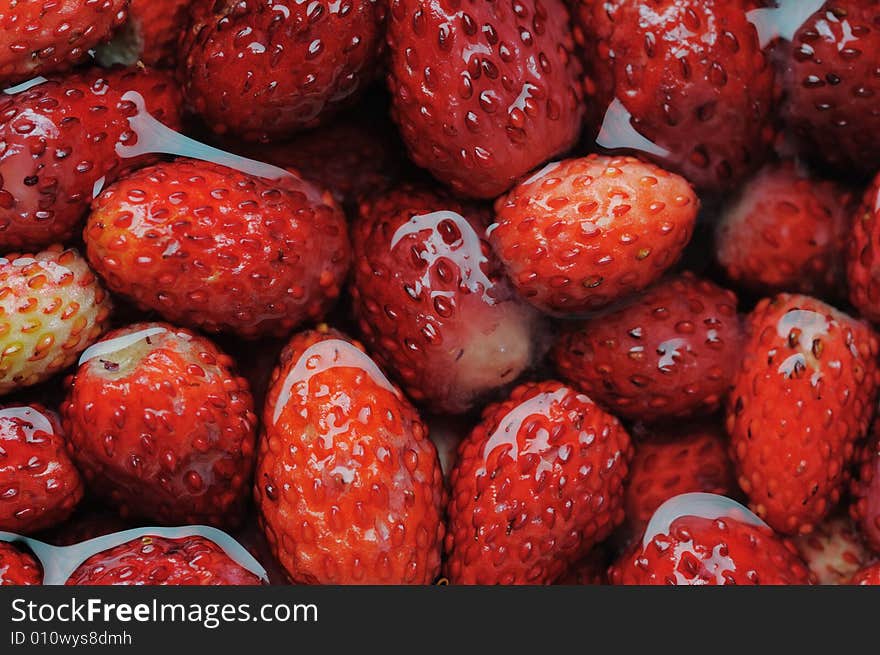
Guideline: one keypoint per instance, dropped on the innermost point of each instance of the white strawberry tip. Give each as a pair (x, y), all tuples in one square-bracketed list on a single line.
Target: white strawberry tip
[(108, 347), (617, 132), (782, 21)]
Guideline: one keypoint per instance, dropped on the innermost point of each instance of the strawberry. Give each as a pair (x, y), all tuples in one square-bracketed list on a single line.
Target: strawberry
[(432, 303), (483, 92), (867, 576), (51, 308), (865, 489), (802, 398), (152, 560), (582, 233), (686, 83), (210, 247), (39, 486), (149, 35), (17, 567), (834, 552), (536, 485), (161, 427), (39, 38), (348, 485), (262, 69), (669, 352), (832, 82), (58, 145), (863, 256), (786, 232)]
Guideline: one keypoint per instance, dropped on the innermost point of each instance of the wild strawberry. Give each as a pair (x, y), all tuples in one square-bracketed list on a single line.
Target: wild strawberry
[(432, 302), (537, 484), (582, 233), (786, 232), (263, 69), (149, 35), (483, 92), (667, 353), (17, 567), (51, 308), (834, 552), (348, 485), (161, 427), (863, 257), (802, 398), (214, 248), (867, 576), (686, 83)]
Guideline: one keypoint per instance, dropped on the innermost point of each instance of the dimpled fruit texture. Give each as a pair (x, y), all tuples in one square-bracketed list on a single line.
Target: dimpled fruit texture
[(863, 256), (155, 26), (432, 302), (670, 352), (263, 69), (155, 560), (58, 146), (865, 489), (802, 398), (536, 485), (210, 247), (18, 568), (39, 485), (582, 233), (867, 576), (834, 552), (40, 37), (51, 308), (160, 426), (483, 92), (348, 485)]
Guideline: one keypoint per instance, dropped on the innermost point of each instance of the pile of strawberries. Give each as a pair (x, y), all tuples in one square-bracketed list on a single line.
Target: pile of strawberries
[(397, 291)]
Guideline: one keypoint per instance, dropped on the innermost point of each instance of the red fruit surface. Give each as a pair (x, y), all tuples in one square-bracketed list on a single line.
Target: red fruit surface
[(483, 92), (868, 576), (263, 69), (155, 560), (348, 485), (685, 83), (210, 247), (58, 145), (865, 489), (17, 567), (670, 352), (863, 257), (802, 399), (432, 303), (152, 32), (161, 427), (834, 552), (582, 233), (536, 485), (39, 485)]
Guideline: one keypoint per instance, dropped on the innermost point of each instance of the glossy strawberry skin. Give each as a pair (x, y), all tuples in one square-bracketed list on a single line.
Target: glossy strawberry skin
[(343, 458), (536, 485), (40, 38), (701, 98), (802, 399), (18, 568), (213, 248), (263, 69), (834, 552), (867, 576), (787, 231), (863, 257), (59, 141), (161, 428), (152, 560), (432, 303), (702, 551), (583, 233), (39, 485), (668, 353), (483, 92)]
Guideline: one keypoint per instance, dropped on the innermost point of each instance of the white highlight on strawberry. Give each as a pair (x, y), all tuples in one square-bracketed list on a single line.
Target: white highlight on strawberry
[(782, 21), (33, 420), (618, 132), (24, 86), (543, 172), (110, 346)]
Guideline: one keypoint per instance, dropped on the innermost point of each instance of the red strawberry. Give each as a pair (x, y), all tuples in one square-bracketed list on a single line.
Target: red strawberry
[(149, 35), (802, 398), (161, 427), (210, 247), (582, 233), (58, 145), (51, 308), (832, 81), (432, 303), (667, 353), (483, 92), (863, 257), (785, 232), (262, 69), (17, 567), (153, 560), (537, 484), (685, 82), (42, 37), (834, 552), (868, 576), (865, 489), (348, 484), (39, 486)]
